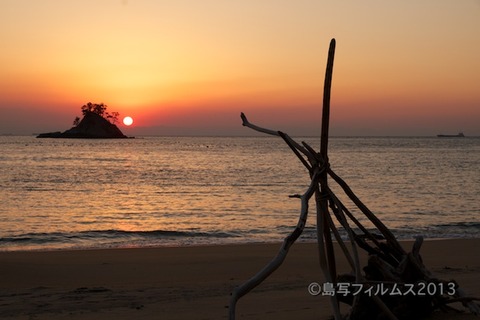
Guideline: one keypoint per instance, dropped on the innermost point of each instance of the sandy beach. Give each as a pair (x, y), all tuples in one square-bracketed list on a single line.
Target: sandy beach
[(191, 282)]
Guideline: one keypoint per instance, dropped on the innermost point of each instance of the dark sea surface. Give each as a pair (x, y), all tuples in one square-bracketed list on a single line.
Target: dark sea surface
[(181, 191)]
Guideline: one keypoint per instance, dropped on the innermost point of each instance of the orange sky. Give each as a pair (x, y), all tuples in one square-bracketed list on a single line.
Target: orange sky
[(190, 67)]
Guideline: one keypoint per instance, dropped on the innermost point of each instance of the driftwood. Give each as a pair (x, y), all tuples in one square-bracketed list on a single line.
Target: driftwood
[(392, 282)]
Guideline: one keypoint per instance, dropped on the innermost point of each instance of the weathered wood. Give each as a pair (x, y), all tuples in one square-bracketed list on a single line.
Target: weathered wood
[(281, 255), (327, 89), (324, 239), (351, 235), (398, 250), (388, 264)]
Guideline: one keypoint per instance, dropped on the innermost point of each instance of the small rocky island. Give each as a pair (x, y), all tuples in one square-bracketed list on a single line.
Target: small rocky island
[(95, 124)]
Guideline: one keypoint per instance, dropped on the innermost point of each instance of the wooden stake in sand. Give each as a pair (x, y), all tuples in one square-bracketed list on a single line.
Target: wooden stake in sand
[(389, 266)]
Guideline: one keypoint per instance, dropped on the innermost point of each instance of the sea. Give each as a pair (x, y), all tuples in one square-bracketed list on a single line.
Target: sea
[(59, 194)]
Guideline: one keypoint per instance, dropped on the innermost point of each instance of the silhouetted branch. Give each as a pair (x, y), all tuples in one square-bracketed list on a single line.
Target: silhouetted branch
[(388, 262), (281, 255)]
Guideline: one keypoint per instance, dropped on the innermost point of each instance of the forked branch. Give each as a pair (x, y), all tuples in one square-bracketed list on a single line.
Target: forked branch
[(282, 253), (388, 261)]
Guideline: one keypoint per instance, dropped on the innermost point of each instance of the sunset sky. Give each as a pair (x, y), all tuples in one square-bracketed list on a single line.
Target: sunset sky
[(188, 67)]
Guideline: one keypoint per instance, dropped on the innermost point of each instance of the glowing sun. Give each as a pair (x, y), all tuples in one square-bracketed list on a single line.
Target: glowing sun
[(127, 121)]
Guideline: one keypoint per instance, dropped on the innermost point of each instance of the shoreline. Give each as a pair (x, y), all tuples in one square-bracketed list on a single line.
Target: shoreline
[(206, 244), (185, 282)]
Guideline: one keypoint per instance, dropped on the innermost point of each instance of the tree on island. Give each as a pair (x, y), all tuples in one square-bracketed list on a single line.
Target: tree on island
[(100, 109), (96, 123)]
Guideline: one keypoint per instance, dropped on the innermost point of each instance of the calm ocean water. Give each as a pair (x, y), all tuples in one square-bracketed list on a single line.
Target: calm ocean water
[(169, 191)]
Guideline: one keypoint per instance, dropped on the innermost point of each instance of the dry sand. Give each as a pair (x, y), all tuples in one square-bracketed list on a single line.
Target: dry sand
[(191, 282)]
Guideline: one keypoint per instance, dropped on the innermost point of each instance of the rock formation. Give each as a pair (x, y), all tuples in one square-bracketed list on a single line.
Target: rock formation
[(92, 126)]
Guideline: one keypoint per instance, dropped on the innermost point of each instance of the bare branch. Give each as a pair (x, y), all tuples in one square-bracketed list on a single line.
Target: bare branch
[(290, 143), (281, 255), (381, 227), (246, 123), (343, 221), (388, 261)]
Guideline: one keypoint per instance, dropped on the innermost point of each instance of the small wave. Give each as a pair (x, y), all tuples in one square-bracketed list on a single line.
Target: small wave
[(475, 225), (108, 238), (154, 234), (445, 230)]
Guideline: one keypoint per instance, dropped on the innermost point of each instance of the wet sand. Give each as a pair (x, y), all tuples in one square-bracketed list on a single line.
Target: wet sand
[(192, 282)]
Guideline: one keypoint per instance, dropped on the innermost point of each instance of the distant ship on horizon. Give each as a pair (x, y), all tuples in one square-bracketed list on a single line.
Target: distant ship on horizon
[(458, 135)]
